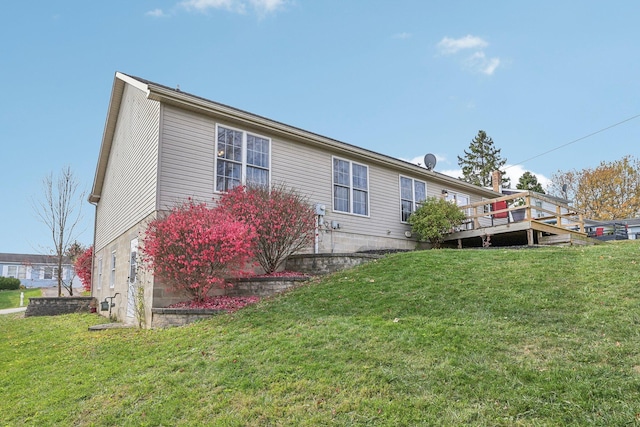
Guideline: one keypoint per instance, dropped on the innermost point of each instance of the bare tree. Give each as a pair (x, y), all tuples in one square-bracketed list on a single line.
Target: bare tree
[(61, 211)]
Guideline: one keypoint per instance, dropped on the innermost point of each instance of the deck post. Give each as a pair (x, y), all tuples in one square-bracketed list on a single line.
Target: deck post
[(530, 241)]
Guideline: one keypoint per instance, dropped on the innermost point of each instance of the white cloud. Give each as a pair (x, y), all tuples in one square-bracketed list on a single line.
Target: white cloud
[(238, 6), (267, 6), (512, 172), (515, 172), (156, 13), (478, 60), (204, 5), (449, 46)]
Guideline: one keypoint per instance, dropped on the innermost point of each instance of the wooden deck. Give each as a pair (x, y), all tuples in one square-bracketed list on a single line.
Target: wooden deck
[(526, 218)]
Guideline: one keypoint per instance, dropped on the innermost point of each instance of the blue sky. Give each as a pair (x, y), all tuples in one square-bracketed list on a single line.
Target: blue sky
[(403, 78)]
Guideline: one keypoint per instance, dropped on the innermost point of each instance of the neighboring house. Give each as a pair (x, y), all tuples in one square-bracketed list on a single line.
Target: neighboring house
[(36, 271), (633, 227), (161, 145), (542, 206), (614, 230)]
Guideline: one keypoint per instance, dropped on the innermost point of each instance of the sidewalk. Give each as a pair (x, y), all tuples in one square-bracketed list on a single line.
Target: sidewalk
[(12, 310), (46, 292)]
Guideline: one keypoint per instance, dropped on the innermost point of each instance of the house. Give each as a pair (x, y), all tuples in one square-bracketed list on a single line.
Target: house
[(633, 228), (614, 230), (161, 145), (37, 271), (542, 204)]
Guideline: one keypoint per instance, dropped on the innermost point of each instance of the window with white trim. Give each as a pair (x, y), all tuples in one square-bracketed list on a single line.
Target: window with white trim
[(133, 261), (459, 200), (12, 271), (112, 277), (242, 158), (350, 187), (99, 272), (412, 194)]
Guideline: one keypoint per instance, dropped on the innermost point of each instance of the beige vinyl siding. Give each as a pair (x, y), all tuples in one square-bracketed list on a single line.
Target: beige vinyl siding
[(309, 170), (186, 157), (129, 189), (305, 168)]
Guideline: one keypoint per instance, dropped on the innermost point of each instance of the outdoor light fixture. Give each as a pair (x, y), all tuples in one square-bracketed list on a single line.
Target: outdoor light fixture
[(445, 193)]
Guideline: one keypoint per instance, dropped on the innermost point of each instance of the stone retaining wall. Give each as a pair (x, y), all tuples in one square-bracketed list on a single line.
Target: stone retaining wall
[(263, 286), (167, 317), (59, 305), (258, 286), (326, 263)]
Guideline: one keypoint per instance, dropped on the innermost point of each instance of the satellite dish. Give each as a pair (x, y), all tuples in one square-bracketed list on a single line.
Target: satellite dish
[(429, 161)]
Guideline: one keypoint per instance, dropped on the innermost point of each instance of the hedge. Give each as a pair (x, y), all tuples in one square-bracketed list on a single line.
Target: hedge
[(9, 284)]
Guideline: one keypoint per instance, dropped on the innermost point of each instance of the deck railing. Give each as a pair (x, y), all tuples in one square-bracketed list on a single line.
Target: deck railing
[(523, 206)]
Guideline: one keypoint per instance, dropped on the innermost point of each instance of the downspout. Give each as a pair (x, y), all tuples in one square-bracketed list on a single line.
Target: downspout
[(95, 222)]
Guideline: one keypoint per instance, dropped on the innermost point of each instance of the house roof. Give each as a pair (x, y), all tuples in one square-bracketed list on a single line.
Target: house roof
[(631, 222), (6, 258), (553, 199), (176, 97)]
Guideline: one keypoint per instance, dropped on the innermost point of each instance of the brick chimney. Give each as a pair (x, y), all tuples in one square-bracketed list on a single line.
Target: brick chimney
[(496, 181)]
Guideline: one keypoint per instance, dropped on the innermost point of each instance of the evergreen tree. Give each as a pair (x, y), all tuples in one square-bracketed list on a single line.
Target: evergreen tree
[(481, 160), (529, 181)]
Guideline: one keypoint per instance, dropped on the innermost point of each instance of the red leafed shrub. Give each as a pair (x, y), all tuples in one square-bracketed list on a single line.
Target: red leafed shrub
[(82, 265), (283, 219), (194, 248), (227, 303)]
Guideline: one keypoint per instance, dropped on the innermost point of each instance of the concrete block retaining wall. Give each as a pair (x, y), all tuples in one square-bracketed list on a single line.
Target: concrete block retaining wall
[(265, 286), (62, 305), (258, 286), (326, 263), (167, 317)]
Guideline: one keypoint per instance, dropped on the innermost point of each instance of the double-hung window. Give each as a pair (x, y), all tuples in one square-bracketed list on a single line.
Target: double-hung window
[(350, 187), (12, 271), (99, 272), (412, 193), (460, 200), (242, 158), (112, 277)]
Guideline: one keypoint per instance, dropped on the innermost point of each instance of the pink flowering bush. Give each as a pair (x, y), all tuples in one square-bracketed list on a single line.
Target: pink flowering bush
[(195, 248), (82, 265), (284, 221)]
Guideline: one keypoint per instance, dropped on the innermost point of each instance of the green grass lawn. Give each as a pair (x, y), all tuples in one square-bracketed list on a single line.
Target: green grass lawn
[(11, 299), (529, 337)]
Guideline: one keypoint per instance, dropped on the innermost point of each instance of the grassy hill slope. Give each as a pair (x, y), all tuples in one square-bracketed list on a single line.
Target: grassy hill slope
[(544, 336)]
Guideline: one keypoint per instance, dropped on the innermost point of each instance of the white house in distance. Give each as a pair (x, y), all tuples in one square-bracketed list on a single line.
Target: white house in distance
[(36, 271), (162, 145)]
